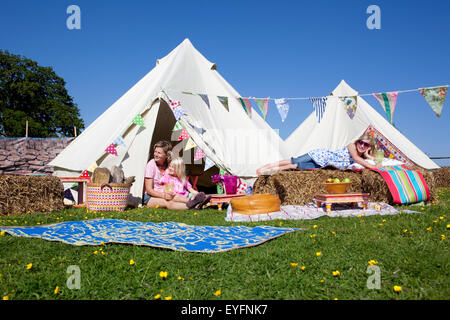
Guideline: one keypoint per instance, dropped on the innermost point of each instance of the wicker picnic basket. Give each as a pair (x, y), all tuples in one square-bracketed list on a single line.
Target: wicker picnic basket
[(107, 196)]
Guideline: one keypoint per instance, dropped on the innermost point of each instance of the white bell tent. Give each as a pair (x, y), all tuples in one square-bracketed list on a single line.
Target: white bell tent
[(337, 129), (232, 139)]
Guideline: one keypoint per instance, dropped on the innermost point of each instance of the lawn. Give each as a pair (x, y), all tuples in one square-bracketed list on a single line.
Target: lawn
[(329, 259)]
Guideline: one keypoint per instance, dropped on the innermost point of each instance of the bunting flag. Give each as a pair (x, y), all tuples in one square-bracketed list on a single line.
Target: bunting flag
[(263, 105), (246, 105), (111, 149), (205, 99), (388, 100), (208, 164), (138, 120), (199, 154), (177, 126), (178, 113), (435, 96), (283, 107), (174, 104), (183, 135), (85, 174), (319, 105), (68, 195), (224, 102), (120, 142), (190, 144), (92, 167), (350, 105)]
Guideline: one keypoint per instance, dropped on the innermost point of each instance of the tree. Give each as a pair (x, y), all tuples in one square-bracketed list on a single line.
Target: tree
[(37, 94)]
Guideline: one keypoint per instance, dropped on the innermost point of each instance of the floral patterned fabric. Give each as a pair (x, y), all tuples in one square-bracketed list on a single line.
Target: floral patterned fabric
[(340, 158)]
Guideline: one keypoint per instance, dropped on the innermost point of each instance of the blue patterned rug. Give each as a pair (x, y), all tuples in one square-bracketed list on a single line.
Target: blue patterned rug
[(169, 235)]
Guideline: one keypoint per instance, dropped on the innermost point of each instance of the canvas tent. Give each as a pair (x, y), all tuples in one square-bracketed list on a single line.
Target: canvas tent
[(231, 138), (336, 129)]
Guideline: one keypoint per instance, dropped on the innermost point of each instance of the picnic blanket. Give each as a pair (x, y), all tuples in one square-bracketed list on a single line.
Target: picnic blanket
[(311, 211), (405, 185), (170, 235)]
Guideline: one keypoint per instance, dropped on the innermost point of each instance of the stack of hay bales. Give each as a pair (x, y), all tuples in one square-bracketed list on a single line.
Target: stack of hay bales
[(298, 187), (441, 177), (30, 194)]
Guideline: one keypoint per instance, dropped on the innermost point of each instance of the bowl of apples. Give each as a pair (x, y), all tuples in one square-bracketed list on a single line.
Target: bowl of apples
[(334, 185)]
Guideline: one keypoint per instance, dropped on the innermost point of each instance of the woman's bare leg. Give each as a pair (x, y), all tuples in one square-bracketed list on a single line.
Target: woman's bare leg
[(181, 199), (173, 205), (153, 202), (280, 165)]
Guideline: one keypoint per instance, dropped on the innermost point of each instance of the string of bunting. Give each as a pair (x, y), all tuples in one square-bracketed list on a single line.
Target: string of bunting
[(434, 96)]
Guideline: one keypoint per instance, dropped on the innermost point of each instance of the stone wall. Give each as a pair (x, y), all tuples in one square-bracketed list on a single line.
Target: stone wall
[(29, 155)]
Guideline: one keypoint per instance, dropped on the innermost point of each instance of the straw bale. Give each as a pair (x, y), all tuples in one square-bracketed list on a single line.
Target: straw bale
[(298, 187), (441, 177), (30, 194)]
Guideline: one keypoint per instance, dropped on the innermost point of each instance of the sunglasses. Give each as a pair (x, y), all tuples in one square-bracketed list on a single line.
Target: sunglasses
[(364, 144)]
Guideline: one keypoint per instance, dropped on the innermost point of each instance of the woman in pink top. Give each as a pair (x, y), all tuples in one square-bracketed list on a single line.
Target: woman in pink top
[(155, 170)]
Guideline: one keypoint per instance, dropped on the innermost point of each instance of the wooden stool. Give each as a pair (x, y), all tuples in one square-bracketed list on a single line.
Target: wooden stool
[(81, 187), (330, 198)]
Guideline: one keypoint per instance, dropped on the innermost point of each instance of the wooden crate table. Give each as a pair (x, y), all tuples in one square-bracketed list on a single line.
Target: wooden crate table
[(220, 199), (82, 182), (330, 198)]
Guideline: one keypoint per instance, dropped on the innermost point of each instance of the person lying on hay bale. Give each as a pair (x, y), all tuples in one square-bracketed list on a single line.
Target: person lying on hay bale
[(355, 152), (159, 172)]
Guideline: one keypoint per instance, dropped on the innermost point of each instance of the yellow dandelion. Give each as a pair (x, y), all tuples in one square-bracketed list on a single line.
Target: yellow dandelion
[(443, 237), (132, 262), (315, 226), (163, 274), (333, 233), (312, 235), (336, 273), (335, 299), (180, 278), (158, 296), (322, 281), (397, 288), (405, 230), (195, 213), (157, 206), (384, 220), (441, 218), (448, 226), (29, 266), (217, 293), (372, 262), (95, 252), (318, 253), (294, 264), (56, 291), (429, 229), (2, 233), (303, 268), (168, 298), (5, 298)]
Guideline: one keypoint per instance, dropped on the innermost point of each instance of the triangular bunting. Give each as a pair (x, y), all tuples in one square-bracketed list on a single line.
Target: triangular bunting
[(85, 174), (178, 113), (350, 104), (111, 149), (208, 164), (283, 107), (319, 105), (92, 167), (388, 100), (183, 135), (177, 126), (198, 154), (224, 102), (120, 142), (138, 120), (174, 104), (68, 195), (190, 144), (435, 96), (205, 99), (246, 105), (263, 105)]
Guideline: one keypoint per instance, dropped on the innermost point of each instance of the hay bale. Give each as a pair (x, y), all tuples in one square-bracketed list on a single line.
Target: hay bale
[(30, 194), (101, 175), (298, 187), (441, 177)]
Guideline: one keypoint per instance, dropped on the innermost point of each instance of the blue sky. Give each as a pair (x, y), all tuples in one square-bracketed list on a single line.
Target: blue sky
[(262, 48)]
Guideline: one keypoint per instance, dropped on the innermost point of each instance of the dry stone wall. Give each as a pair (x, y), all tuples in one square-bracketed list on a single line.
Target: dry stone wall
[(29, 155)]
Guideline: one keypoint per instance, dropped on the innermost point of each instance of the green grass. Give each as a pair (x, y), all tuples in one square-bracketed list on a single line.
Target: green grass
[(416, 259)]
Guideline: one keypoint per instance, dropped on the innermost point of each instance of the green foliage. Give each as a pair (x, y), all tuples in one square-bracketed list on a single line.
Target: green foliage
[(411, 251), (34, 93)]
